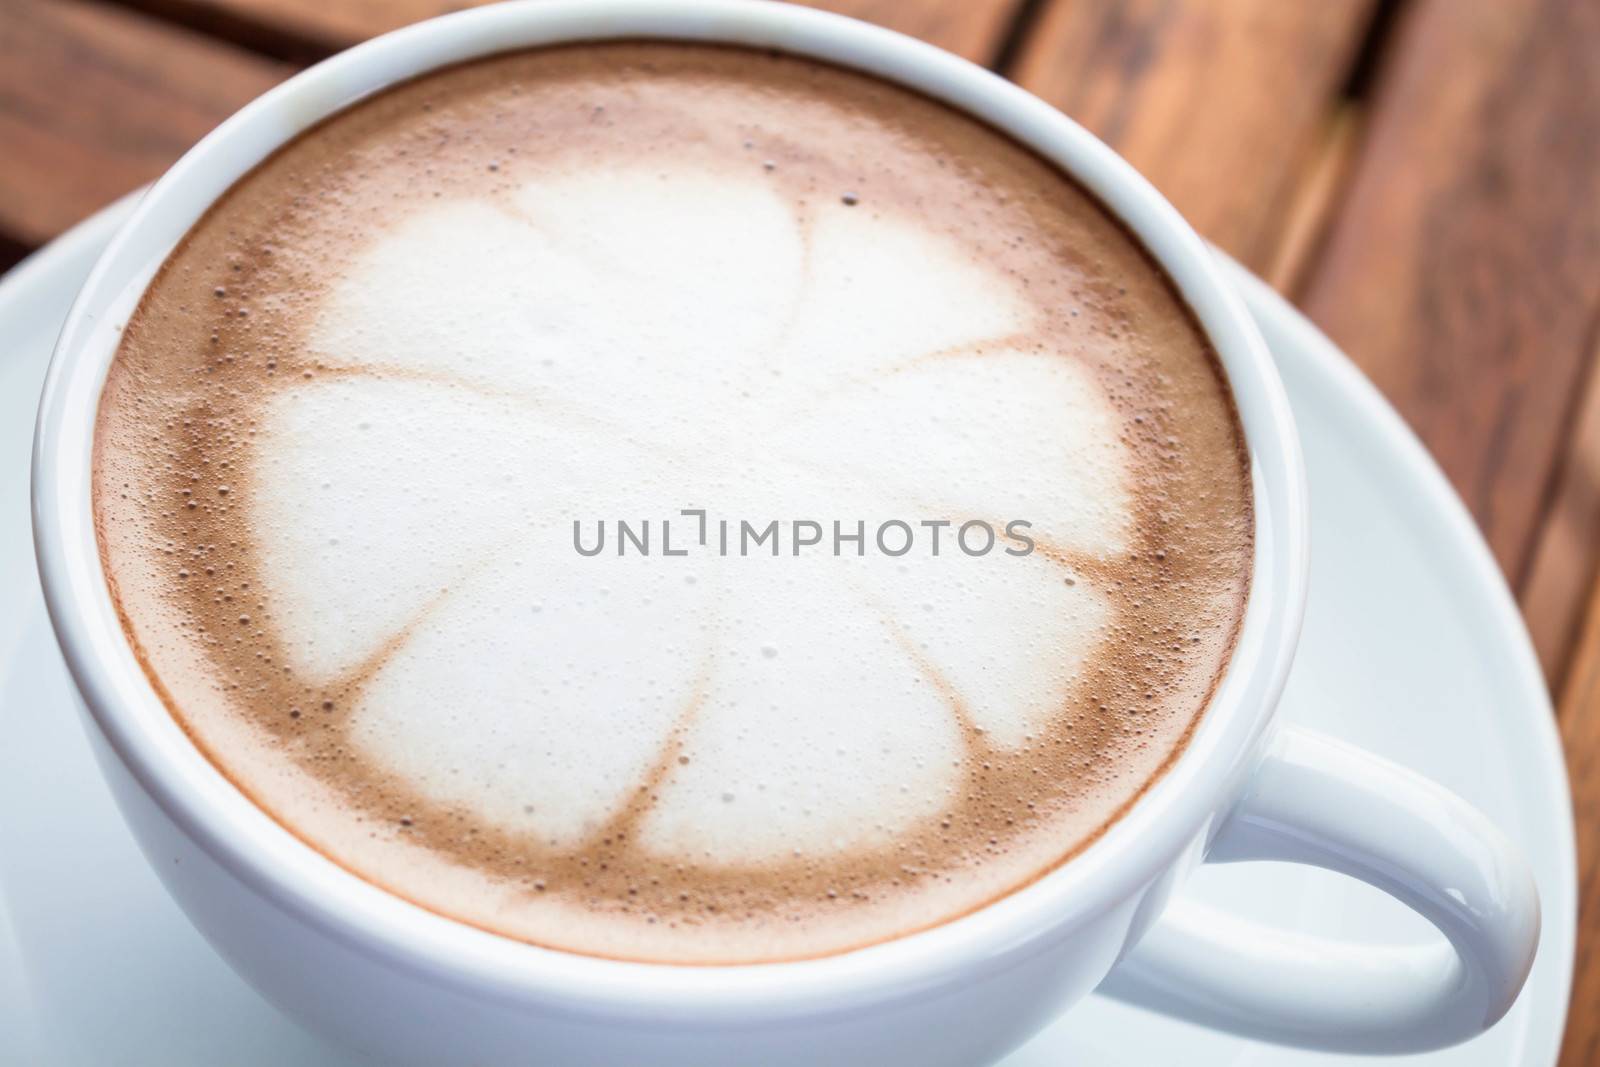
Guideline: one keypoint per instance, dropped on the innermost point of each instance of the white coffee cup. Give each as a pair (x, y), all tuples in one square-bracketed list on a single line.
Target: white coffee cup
[(352, 961)]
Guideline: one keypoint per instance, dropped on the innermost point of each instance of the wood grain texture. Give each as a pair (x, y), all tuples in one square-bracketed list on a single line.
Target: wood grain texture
[(308, 29), (1580, 733), (972, 28), (1566, 556), (1317, 194), (1463, 272), (95, 101), (1219, 102)]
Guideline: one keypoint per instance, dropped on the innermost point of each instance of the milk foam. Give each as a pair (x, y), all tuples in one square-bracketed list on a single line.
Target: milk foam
[(845, 366), (370, 418)]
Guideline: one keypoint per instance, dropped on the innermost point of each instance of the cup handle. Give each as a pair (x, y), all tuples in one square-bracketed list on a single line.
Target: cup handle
[(1323, 802)]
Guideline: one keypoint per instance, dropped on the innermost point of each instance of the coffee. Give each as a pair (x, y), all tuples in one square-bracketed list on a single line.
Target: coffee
[(675, 503)]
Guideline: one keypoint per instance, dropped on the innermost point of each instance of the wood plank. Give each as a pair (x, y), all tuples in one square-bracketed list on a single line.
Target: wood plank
[(1219, 102), (972, 28), (98, 99), (317, 27), (95, 101), (1566, 557), (1580, 733), (1317, 193), (1463, 274)]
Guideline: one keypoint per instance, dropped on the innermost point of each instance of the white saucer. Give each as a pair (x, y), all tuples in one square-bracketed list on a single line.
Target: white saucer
[(1413, 648)]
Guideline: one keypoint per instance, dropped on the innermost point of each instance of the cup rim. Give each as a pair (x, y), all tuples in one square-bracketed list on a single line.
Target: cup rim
[(1172, 814)]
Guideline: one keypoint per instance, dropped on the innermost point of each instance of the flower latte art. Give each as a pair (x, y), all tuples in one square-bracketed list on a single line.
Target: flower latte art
[(367, 422)]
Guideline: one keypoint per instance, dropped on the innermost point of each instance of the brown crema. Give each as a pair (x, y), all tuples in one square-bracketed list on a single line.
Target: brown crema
[(222, 331)]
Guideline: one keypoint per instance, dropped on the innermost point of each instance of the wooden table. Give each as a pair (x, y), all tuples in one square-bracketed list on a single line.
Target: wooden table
[(1422, 177)]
